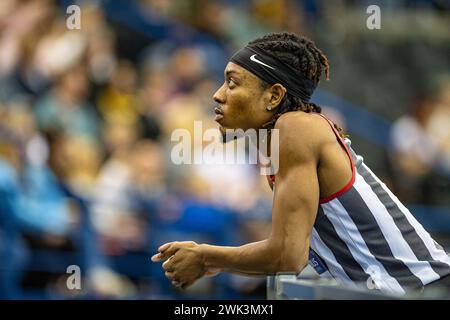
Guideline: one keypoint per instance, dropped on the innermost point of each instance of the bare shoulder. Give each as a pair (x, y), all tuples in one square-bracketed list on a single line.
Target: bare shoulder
[(302, 134)]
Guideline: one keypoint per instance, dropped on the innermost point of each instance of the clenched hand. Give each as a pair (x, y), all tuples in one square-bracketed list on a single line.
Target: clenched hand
[(184, 263)]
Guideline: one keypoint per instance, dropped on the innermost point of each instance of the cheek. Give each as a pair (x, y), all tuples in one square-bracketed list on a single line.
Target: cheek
[(236, 104), (243, 108), (242, 104)]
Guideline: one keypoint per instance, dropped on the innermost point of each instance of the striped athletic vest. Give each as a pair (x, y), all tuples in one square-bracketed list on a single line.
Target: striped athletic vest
[(364, 236)]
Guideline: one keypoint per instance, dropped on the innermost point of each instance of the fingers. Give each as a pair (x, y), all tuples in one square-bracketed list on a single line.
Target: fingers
[(166, 251), (169, 249), (168, 265), (175, 281), (170, 275), (165, 246), (157, 257)]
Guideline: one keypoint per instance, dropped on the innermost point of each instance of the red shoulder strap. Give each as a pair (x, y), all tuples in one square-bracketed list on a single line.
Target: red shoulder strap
[(271, 178), (352, 180)]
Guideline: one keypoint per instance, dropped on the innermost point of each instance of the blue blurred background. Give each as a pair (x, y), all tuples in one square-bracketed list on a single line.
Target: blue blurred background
[(86, 117)]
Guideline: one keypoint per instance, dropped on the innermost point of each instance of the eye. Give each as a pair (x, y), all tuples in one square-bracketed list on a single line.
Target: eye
[(231, 83)]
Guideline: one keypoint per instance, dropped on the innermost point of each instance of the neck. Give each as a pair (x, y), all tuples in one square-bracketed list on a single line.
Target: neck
[(262, 143)]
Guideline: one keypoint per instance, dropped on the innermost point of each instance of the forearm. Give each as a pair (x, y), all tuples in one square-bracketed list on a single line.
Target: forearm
[(256, 258)]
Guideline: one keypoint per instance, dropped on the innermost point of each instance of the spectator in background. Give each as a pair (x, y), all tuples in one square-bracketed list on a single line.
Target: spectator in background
[(437, 186), (101, 59), (438, 125), (419, 142), (128, 175), (187, 66), (118, 102), (76, 160), (133, 174), (153, 92), (413, 151), (37, 202), (65, 107), (22, 26), (30, 194)]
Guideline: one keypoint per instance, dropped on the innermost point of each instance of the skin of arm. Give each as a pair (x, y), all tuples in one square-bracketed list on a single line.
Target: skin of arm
[(295, 204)]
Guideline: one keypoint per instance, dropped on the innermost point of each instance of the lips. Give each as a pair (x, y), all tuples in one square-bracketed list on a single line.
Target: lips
[(219, 114)]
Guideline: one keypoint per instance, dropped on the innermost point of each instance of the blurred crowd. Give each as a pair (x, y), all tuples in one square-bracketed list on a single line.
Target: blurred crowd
[(420, 147), (85, 144), (86, 118)]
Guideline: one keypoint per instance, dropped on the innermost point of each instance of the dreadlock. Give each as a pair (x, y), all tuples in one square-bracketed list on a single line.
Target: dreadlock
[(300, 53)]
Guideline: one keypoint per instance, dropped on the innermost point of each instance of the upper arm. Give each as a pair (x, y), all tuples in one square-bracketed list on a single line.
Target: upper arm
[(296, 197)]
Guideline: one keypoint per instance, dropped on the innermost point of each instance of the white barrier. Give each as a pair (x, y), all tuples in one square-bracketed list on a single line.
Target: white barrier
[(290, 287)]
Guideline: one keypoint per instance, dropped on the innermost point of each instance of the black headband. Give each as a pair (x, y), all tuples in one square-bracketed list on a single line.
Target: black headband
[(272, 71)]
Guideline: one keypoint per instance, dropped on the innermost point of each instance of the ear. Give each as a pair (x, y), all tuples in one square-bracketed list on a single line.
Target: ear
[(277, 93)]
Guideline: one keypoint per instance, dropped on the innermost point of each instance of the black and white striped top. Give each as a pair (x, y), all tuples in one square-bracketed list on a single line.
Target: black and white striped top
[(364, 235)]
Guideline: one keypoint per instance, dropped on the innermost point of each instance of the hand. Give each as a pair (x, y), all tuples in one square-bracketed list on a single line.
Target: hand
[(184, 263)]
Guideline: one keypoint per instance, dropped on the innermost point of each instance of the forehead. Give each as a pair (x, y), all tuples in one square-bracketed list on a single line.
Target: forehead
[(242, 73)]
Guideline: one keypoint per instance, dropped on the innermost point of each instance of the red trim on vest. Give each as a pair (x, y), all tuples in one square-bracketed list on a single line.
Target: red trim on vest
[(352, 180), (271, 178)]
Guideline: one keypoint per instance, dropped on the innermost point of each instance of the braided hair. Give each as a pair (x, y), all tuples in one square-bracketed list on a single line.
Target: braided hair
[(301, 54)]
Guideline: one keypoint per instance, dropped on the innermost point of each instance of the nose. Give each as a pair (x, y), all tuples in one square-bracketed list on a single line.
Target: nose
[(219, 95)]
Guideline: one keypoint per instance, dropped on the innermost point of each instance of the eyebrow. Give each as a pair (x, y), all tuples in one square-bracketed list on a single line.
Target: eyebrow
[(231, 72)]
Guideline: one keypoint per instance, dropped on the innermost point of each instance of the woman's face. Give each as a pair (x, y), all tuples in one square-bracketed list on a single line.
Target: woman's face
[(241, 100)]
